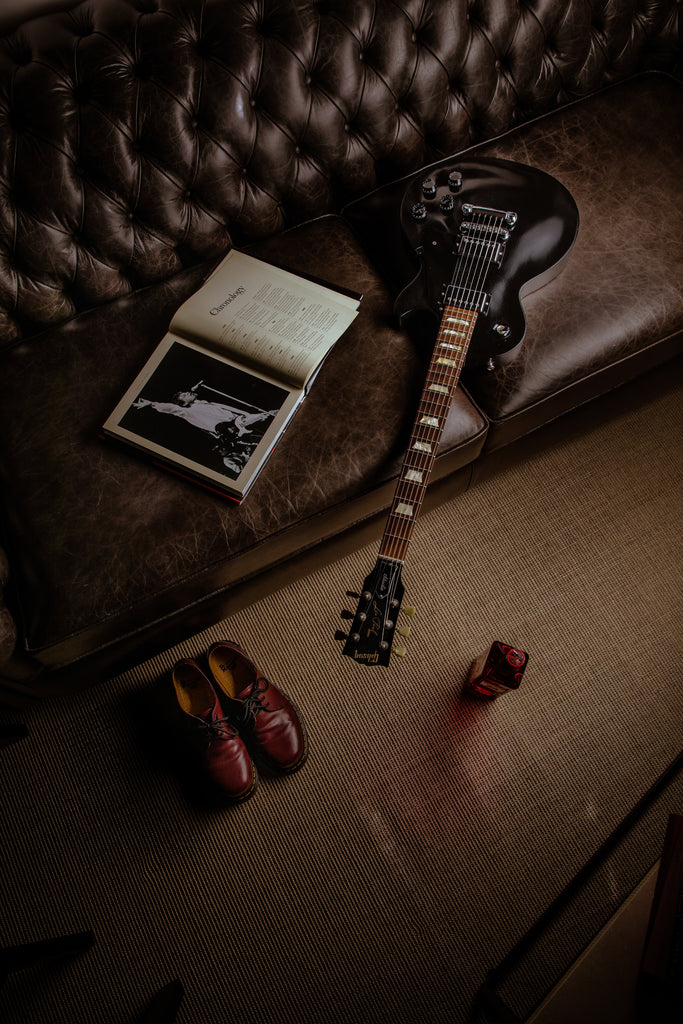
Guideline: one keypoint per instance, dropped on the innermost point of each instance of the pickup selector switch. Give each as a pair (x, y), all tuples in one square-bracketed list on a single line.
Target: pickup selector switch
[(455, 181), (418, 211), (429, 188)]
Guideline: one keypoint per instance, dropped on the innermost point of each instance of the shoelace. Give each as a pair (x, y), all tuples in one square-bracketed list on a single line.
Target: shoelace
[(254, 703), (219, 727)]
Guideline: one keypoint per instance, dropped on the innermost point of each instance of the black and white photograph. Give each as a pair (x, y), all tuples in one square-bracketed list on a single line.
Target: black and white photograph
[(204, 409)]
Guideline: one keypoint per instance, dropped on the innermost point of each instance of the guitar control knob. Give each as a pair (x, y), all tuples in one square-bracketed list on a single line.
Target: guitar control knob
[(455, 181), (429, 188), (502, 329), (419, 211), (447, 203)]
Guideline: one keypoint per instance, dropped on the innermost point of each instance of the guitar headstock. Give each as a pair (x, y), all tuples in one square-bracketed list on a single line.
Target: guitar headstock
[(371, 635)]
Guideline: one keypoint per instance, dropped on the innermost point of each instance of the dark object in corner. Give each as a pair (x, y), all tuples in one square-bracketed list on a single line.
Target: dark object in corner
[(660, 984)]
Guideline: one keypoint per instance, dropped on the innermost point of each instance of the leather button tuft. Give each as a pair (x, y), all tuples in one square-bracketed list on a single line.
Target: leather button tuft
[(141, 70)]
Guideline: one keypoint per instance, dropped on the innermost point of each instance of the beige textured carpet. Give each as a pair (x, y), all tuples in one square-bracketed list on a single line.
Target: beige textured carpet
[(428, 831)]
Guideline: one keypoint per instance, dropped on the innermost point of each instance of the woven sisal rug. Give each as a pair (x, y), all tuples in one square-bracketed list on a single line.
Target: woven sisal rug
[(428, 831)]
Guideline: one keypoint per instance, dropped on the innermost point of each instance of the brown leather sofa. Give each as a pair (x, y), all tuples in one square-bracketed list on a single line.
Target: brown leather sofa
[(141, 139)]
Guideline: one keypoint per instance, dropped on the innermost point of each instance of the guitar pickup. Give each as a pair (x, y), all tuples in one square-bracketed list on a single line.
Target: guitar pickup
[(465, 298), (476, 248), (485, 241)]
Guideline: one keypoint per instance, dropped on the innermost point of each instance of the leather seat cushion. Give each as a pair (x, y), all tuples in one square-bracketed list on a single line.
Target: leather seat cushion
[(103, 543), (616, 309)]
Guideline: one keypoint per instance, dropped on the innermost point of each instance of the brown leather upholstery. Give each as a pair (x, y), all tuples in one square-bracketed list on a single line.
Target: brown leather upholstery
[(139, 139), (144, 136), (617, 307), (104, 544)]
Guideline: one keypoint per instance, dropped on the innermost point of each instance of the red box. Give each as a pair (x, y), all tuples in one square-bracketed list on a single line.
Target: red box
[(497, 671)]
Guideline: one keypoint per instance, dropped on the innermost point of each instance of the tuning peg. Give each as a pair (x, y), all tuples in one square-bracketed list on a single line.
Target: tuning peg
[(340, 635), (399, 651), (346, 614), (409, 610), (352, 593), (403, 631)]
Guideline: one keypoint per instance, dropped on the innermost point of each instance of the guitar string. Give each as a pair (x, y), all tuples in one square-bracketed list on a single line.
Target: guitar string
[(475, 271), (468, 276), (474, 274)]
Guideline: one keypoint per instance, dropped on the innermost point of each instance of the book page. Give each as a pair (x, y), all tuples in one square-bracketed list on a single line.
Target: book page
[(275, 321), (200, 413)]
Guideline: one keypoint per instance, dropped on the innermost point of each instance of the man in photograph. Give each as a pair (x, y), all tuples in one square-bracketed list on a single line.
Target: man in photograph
[(209, 416)]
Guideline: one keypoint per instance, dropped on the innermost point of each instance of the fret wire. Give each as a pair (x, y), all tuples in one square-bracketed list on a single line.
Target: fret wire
[(410, 493)]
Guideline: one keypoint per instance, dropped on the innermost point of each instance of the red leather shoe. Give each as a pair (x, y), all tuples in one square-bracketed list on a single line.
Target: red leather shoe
[(226, 757), (258, 708)]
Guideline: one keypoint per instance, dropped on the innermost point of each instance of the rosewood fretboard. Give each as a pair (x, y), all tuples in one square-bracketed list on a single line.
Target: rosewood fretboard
[(450, 351)]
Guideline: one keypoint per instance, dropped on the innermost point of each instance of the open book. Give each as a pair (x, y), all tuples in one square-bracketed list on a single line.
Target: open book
[(223, 384)]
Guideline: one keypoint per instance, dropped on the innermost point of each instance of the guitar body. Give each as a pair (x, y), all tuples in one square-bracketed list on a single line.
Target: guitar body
[(484, 233), (546, 226)]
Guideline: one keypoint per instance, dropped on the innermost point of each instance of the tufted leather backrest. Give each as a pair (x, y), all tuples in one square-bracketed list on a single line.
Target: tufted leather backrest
[(138, 137)]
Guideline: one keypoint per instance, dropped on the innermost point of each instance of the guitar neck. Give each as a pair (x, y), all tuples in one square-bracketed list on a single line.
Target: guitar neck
[(450, 351)]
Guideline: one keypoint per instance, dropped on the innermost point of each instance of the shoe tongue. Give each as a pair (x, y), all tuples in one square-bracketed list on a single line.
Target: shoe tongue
[(206, 716), (245, 691)]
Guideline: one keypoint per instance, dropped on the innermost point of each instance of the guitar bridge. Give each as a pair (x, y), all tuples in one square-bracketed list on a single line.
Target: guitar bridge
[(485, 239), (506, 217)]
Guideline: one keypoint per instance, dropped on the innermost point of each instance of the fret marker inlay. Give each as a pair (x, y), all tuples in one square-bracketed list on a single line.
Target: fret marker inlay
[(422, 446), (447, 362), (413, 474), (440, 388), (403, 509), (430, 421)]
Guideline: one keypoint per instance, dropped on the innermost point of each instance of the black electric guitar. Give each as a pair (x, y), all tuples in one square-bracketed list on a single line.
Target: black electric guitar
[(485, 233)]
